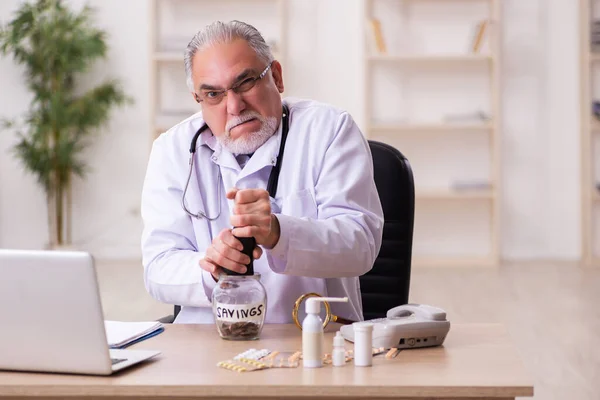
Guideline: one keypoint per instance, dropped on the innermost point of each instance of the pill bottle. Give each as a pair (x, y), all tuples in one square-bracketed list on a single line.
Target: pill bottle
[(363, 344)]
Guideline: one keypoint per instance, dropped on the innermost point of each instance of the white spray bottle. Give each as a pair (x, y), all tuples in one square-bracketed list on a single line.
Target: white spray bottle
[(312, 331)]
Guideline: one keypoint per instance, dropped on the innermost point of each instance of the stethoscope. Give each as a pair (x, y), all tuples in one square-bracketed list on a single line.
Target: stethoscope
[(273, 177)]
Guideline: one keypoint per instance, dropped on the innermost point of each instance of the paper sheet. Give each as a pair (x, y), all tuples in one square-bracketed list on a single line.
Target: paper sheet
[(119, 334)]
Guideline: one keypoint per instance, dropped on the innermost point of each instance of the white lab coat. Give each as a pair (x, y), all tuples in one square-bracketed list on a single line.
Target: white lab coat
[(327, 205)]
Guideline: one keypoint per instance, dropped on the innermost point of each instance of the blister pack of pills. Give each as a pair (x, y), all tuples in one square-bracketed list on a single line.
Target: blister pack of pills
[(242, 365), (258, 359), (253, 354), (285, 359)]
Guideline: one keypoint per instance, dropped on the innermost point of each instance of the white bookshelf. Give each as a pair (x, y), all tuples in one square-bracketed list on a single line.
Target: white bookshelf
[(432, 127), (173, 23), (419, 52), (453, 262), (424, 59), (167, 57), (590, 136), (450, 194)]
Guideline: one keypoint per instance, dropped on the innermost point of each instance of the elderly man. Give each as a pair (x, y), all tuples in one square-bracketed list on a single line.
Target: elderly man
[(318, 232)]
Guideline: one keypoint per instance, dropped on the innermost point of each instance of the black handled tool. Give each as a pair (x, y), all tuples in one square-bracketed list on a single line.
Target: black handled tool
[(249, 244)]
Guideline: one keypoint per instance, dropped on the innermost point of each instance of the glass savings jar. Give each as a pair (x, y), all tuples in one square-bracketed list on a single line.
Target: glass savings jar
[(239, 305)]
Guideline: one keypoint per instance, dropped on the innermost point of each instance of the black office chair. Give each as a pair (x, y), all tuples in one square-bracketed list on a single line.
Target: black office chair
[(387, 284)]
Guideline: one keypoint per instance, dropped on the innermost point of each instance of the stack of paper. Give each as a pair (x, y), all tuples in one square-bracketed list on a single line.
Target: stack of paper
[(122, 334)]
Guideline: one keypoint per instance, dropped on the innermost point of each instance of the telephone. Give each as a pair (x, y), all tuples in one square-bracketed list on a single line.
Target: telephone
[(407, 326)]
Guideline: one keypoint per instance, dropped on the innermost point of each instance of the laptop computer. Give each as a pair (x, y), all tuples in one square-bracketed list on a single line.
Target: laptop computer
[(51, 316)]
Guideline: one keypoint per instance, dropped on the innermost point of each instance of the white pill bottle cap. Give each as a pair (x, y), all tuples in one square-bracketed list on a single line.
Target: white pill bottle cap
[(362, 327), (338, 339)]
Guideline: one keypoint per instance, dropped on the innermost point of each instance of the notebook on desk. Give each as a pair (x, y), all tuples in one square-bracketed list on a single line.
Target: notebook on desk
[(124, 334), (52, 318)]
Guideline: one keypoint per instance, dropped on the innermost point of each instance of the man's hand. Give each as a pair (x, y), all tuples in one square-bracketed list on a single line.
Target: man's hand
[(252, 216), (225, 251)]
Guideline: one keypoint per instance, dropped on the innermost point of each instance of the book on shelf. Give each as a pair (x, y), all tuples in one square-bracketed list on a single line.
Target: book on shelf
[(595, 36), (478, 116), (479, 35), (596, 109), (375, 36), (470, 185)]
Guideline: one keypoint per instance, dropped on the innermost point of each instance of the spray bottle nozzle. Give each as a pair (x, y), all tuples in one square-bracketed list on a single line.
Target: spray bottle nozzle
[(313, 304)]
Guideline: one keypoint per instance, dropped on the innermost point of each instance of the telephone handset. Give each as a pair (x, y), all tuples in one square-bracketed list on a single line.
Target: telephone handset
[(407, 326), (423, 310)]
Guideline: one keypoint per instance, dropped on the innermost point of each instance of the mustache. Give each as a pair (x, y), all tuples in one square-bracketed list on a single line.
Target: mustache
[(240, 119)]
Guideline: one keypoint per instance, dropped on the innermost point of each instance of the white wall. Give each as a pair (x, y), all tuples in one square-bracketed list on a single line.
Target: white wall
[(541, 205), (540, 118)]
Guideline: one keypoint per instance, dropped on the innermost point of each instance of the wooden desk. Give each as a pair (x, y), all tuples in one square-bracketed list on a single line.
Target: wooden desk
[(476, 361)]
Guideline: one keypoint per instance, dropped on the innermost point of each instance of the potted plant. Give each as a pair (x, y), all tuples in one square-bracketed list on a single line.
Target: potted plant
[(56, 45)]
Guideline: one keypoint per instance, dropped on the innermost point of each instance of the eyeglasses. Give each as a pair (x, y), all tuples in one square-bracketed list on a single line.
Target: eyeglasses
[(214, 97)]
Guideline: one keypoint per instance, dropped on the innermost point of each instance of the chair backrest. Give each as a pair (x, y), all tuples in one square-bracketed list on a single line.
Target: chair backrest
[(387, 284)]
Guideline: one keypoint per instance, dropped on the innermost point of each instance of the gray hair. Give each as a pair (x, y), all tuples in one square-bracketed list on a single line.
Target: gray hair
[(225, 32)]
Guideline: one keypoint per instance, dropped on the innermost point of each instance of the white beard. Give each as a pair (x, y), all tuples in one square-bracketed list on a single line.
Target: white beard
[(250, 142)]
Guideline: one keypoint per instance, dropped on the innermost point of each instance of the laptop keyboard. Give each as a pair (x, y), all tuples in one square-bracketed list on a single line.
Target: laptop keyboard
[(117, 360)]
